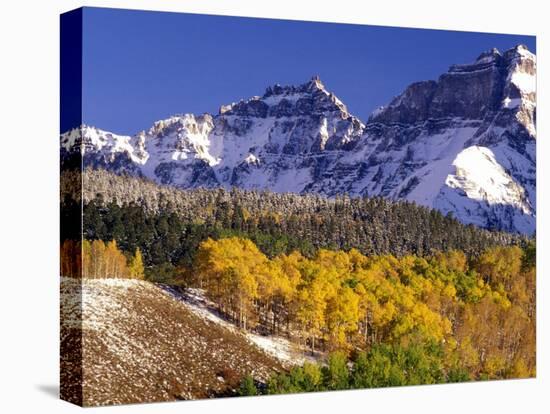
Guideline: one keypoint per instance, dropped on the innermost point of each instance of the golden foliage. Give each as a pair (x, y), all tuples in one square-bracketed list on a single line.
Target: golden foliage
[(99, 260), (482, 312)]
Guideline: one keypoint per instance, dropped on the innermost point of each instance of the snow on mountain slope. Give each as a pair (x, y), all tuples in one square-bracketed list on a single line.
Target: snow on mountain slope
[(438, 152), (481, 179), (93, 140), (464, 144), (492, 178)]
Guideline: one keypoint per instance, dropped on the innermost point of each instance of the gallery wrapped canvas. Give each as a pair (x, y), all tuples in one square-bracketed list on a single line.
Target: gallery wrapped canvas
[(255, 206)]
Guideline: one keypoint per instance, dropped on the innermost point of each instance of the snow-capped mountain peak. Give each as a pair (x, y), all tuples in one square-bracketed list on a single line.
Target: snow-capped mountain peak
[(283, 101), (463, 144)]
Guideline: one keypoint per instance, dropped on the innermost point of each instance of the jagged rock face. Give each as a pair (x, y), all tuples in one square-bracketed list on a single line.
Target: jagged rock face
[(478, 124), (464, 144), (469, 91)]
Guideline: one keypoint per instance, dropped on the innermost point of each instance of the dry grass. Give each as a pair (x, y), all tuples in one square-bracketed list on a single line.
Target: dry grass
[(139, 344)]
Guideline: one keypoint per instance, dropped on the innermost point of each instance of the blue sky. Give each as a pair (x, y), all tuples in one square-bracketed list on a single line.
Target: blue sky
[(141, 66)]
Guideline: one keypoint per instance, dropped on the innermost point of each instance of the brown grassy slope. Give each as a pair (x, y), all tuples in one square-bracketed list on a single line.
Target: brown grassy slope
[(139, 345)]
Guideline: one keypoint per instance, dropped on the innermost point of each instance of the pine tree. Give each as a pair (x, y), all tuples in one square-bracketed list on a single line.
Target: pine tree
[(247, 387)]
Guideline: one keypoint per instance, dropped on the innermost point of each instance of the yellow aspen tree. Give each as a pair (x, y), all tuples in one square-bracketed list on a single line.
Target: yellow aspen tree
[(342, 317), (135, 267), (97, 265)]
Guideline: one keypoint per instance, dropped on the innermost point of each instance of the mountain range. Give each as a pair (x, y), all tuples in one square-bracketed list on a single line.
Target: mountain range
[(463, 144)]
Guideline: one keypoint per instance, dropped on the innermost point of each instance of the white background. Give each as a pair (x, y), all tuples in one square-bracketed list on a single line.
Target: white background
[(29, 73)]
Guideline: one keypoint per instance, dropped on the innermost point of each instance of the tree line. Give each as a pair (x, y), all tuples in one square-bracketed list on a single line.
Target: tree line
[(169, 240), (113, 205)]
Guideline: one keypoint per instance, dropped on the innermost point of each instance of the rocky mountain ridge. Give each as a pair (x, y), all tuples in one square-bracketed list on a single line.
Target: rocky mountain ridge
[(464, 144)]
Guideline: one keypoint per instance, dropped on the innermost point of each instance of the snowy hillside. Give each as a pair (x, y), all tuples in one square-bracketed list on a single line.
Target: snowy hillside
[(141, 344), (464, 144)]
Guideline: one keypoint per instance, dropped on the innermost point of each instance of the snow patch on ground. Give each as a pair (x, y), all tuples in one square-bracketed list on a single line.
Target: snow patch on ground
[(139, 343), (276, 346)]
